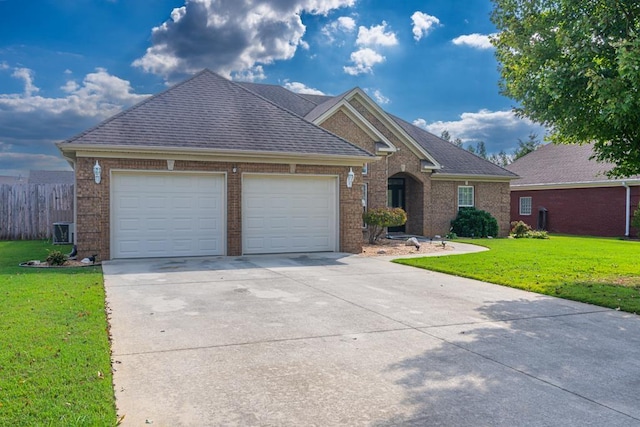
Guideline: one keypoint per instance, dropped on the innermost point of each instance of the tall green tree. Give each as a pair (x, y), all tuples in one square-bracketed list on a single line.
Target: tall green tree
[(526, 147), (574, 66), (480, 149)]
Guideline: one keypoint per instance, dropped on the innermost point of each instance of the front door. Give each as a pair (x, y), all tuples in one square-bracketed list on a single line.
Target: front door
[(396, 199)]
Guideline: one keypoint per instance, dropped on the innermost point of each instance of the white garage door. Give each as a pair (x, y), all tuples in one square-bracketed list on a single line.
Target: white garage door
[(167, 214), (289, 214)]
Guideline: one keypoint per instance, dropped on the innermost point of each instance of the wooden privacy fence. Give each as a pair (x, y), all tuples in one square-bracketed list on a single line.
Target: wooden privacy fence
[(28, 211)]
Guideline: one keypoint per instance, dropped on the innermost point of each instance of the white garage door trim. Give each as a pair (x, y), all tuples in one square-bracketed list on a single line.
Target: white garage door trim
[(195, 226), (307, 222)]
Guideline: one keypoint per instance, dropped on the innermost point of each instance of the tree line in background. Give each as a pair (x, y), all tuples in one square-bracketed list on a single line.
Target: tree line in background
[(502, 158)]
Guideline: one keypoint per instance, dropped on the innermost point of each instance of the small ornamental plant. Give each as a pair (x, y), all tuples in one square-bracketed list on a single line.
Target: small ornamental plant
[(521, 230), (56, 258), (380, 218)]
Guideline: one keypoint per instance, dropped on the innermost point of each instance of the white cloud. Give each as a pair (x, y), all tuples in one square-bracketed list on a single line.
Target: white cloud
[(298, 87), (229, 36), (26, 75), (423, 24), (475, 40), (363, 61), (377, 95), (344, 24), (376, 35), (100, 95), (500, 130), (421, 123)]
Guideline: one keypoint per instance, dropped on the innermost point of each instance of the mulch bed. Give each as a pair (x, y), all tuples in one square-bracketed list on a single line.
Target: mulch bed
[(385, 247)]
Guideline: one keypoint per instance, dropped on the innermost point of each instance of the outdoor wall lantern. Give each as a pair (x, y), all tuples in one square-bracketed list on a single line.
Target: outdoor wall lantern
[(97, 172), (350, 177)]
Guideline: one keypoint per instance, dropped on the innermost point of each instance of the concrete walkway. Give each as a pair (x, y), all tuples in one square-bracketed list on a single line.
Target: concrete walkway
[(336, 339)]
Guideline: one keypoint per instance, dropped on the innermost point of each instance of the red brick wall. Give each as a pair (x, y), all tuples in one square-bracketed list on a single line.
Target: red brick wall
[(93, 208), (431, 204), (492, 197), (581, 211)]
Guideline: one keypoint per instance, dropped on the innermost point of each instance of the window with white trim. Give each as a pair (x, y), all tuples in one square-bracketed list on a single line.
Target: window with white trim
[(365, 168), (465, 196), (525, 205), (365, 201)]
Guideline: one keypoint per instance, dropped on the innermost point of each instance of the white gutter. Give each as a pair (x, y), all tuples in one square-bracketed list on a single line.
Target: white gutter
[(627, 208)]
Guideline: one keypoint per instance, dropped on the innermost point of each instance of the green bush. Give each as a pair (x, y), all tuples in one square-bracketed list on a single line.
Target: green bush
[(380, 218), (635, 220), (520, 229), (472, 222), (56, 258), (538, 234)]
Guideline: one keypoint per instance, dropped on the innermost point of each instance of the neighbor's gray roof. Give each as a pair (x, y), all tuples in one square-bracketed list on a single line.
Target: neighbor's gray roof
[(452, 159), (559, 164), (51, 177), (208, 111)]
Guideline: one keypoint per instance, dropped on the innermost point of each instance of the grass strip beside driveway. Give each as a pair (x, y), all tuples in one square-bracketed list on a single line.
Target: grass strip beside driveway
[(54, 348), (604, 272)]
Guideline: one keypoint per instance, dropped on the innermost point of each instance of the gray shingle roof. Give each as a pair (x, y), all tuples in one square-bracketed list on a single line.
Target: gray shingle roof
[(210, 112), (282, 97), (559, 164), (453, 159)]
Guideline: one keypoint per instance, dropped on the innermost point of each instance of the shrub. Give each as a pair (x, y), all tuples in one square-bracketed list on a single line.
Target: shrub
[(635, 220), (56, 258), (537, 234), (520, 229), (472, 222), (378, 219)]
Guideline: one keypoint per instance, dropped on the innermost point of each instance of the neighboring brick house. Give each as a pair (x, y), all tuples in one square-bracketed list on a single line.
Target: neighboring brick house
[(215, 167), (563, 190)]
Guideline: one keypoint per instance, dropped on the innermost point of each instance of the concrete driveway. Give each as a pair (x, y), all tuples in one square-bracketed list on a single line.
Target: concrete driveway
[(335, 339)]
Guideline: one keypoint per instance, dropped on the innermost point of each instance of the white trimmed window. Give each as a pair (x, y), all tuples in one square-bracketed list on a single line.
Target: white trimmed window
[(525, 205), (365, 201), (465, 196), (365, 168)]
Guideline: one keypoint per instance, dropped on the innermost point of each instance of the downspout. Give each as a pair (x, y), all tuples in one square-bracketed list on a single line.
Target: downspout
[(627, 208)]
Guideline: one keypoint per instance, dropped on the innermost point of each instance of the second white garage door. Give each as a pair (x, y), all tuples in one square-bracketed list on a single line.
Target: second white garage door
[(282, 213)]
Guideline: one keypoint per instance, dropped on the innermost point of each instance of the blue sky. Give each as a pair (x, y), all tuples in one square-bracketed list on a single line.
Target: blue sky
[(66, 65)]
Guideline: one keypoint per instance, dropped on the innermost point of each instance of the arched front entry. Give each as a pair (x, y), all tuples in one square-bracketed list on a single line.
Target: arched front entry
[(406, 192)]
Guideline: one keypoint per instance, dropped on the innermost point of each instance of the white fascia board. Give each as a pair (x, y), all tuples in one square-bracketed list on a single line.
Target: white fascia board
[(207, 154), (381, 115), (465, 177), (572, 185), (359, 120)]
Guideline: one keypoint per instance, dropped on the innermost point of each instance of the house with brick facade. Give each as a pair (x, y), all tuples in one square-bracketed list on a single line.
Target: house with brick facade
[(563, 190), (216, 167)]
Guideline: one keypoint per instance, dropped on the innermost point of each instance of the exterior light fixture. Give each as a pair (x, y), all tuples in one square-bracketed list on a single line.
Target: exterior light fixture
[(350, 177), (97, 173)]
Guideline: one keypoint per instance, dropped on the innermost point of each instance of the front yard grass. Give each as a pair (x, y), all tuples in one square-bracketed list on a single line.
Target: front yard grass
[(604, 272), (55, 365)]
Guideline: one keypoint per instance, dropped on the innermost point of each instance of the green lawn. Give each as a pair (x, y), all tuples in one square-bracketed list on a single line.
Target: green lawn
[(54, 349), (603, 272)]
